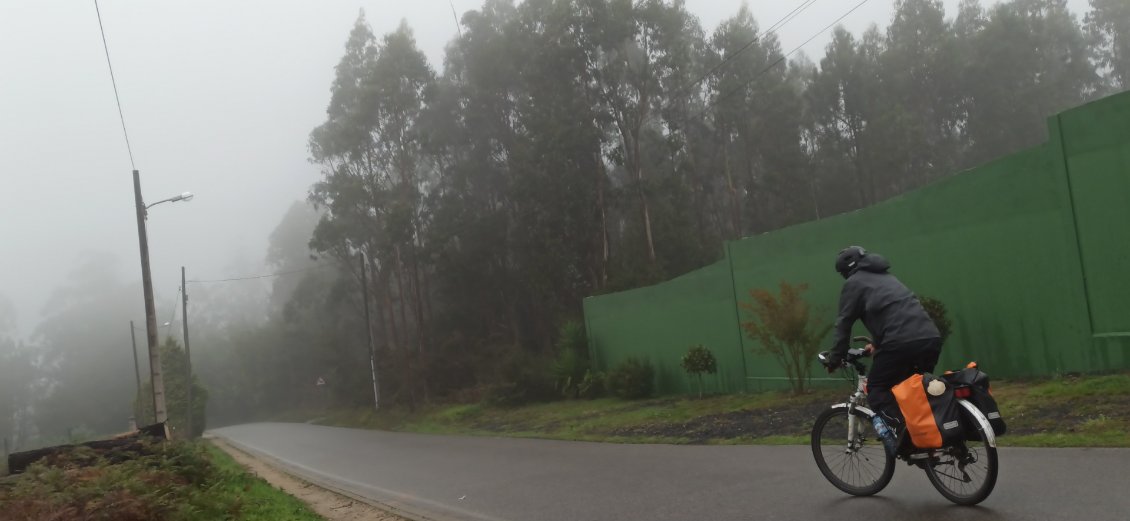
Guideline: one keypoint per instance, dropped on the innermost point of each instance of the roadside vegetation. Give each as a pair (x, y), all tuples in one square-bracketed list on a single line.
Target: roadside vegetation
[(1069, 411), (174, 481), (572, 400)]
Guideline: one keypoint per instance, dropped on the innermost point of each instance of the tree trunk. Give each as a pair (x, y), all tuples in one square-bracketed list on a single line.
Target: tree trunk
[(637, 164), (862, 178), (698, 189), (401, 293), (757, 219), (421, 329), (602, 262), (812, 191), (515, 330), (735, 200), (392, 334), (427, 297), (418, 306)]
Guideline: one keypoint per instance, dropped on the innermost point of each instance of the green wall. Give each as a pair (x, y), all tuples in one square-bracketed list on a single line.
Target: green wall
[(1096, 143), (1030, 253), (661, 322)]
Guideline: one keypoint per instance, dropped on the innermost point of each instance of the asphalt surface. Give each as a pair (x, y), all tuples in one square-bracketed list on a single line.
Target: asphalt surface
[(450, 478)]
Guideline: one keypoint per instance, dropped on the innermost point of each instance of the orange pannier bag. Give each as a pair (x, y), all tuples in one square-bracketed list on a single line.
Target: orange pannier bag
[(930, 410)]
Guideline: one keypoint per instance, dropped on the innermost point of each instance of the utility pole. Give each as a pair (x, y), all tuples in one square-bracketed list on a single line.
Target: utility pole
[(136, 366), (369, 333), (187, 353), (155, 377)]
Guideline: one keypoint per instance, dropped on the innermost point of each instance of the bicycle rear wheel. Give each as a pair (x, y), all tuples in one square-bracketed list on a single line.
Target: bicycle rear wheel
[(966, 473), (854, 462)]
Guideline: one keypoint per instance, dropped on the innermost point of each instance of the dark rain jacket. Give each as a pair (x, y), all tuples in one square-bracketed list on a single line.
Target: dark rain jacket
[(891, 313)]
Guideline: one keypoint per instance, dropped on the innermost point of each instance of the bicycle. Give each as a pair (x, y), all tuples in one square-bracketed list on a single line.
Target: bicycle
[(851, 456)]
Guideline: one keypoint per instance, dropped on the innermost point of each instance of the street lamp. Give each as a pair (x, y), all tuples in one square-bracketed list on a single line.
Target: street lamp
[(187, 196), (160, 414)]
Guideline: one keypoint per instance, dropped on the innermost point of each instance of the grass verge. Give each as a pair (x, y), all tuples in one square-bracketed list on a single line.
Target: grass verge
[(1071, 411), (175, 481)]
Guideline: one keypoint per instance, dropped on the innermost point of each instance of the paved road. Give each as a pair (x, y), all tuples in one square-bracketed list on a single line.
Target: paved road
[(448, 478)]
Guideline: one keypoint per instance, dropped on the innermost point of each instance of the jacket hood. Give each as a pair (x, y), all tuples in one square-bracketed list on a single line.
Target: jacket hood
[(874, 263)]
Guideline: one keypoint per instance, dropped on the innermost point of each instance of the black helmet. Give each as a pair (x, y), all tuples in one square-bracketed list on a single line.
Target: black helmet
[(847, 261)]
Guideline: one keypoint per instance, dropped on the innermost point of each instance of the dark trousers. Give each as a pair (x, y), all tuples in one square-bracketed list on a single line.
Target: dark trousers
[(894, 363)]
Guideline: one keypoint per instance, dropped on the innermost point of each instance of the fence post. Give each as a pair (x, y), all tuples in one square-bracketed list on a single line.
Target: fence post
[(737, 315)]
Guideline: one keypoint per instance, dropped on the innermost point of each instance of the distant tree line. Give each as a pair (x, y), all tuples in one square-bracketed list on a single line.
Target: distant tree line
[(575, 147), (571, 148)]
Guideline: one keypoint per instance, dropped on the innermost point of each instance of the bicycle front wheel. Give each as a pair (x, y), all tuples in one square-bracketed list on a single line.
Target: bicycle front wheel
[(849, 453), (966, 473)]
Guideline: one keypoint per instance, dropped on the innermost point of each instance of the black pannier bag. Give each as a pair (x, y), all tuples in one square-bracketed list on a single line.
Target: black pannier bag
[(980, 395), (930, 410)]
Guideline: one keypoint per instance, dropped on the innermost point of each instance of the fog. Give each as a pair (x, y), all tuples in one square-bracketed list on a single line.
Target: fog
[(219, 98)]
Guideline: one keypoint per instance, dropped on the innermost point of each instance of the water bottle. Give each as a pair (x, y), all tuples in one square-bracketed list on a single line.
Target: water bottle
[(885, 434), (880, 426)]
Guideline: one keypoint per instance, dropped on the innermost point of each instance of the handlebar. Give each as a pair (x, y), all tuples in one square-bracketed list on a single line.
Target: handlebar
[(853, 354), (852, 357)]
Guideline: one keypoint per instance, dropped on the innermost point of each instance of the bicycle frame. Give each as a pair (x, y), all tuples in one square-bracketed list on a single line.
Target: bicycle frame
[(963, 468), (857, 401)]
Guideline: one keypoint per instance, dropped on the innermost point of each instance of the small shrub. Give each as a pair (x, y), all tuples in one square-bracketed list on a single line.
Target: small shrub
[(593, 385), (174, 363), (572, 363), (937, 311), (523, 379), (632, 379), (697, 361), (785, 327)]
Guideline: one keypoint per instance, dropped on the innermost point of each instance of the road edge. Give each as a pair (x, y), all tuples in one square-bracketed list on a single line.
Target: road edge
[(327, 504), (406, 507)]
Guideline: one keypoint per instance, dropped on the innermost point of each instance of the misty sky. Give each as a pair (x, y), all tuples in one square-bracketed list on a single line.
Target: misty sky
[(219, 98)]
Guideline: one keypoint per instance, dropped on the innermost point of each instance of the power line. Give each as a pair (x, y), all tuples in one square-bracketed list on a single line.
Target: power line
[(113, 81), (792, 14), (771, 30), (456, 17), (783, 57), (268, 275)]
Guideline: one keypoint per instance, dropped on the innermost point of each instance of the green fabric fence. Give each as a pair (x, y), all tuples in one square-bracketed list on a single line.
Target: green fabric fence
[(1030, 253)]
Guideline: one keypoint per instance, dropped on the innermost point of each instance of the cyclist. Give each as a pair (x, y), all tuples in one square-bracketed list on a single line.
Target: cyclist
[(906, 341)]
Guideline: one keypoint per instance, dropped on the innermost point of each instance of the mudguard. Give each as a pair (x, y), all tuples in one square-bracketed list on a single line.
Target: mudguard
[(976, 413)]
